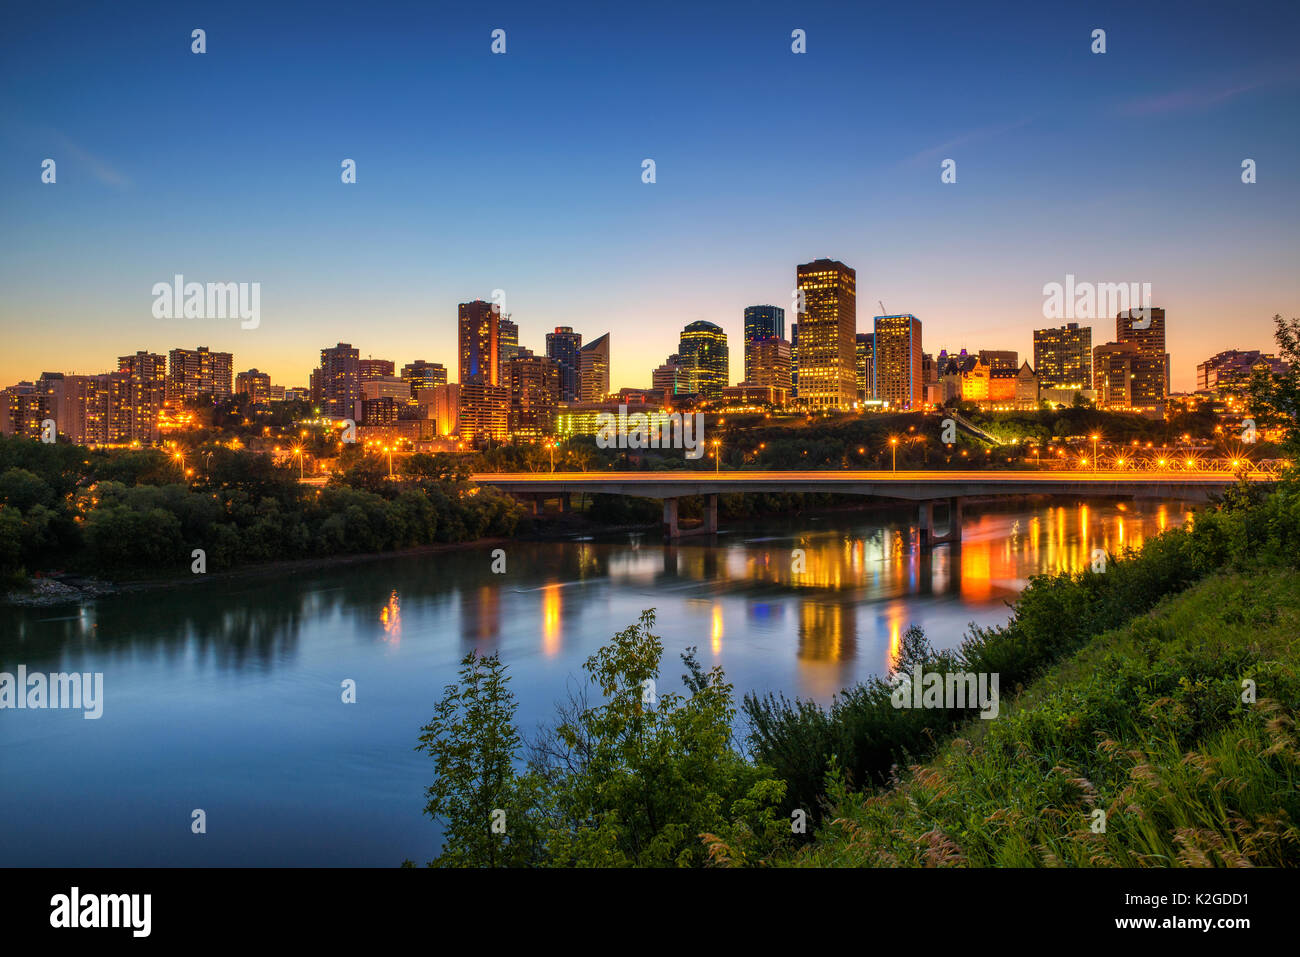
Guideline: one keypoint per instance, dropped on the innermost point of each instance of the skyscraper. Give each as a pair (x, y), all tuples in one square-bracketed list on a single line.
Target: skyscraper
[(144, 389), (339, 379), (593, 370), (828, 376), (865, 344), (1114, 370), (794, 360), (1063, 357), (374, 369), (195, 372), (898, 378), (254, 384), (424, 375), (562, 347), (479, 343), (703, 348), (762, 322), (534, 384), (670, 379), (1145, 328), (508, 333), (767, 360)]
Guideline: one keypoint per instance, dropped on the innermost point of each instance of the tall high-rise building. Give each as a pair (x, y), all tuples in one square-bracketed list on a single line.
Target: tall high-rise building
[(762, 322), (1145, 328), (898, 379), (1063, 357), (562, 347), (767, 360), (424, 375), (865, 354), (670, 379), (338, 380), (508, 334), (256, 385), (145, 389), (794, 360), (484, 414), (375, 369), (593, 370), (703, 348), (828, 377), (479, 340), (534, 384), (1114, 371), (195, 372)]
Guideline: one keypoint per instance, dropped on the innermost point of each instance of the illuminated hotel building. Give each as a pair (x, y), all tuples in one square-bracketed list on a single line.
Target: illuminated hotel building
[(1063, 357), (827, 328), (1113, 374), (703, 348), (478, 341), (898, 379)]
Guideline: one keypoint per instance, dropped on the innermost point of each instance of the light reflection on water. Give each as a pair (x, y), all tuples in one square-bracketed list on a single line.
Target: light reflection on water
[(225, 695)]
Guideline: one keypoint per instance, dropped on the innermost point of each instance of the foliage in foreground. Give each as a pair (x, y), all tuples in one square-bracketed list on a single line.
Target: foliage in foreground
[(1147, 725), (633, 780)]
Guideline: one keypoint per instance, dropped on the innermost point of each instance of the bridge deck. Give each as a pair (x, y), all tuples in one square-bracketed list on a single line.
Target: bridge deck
[(916, 486)]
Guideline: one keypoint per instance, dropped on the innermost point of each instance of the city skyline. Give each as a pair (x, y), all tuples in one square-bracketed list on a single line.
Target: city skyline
[(373, 262)]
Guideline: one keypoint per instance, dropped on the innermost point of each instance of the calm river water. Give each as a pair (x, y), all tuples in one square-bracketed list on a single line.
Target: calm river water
[(225, 696)]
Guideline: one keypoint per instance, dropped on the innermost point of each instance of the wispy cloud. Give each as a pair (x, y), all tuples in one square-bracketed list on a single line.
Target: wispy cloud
[(100, 169), (1203, 97), (944, 150)]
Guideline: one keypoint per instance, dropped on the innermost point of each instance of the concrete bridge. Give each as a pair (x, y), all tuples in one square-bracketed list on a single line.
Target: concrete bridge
[(925, 488)]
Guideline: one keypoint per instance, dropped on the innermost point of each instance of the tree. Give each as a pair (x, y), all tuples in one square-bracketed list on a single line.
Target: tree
[(653, 772), (484, 804), (1275, 396)]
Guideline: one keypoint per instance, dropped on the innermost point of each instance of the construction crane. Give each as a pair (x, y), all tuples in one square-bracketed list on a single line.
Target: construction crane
[(883, 310)]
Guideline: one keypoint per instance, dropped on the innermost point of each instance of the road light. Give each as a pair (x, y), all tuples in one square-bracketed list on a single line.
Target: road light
[(550, 447), (717, 456), (893, 448), (1094, 438)]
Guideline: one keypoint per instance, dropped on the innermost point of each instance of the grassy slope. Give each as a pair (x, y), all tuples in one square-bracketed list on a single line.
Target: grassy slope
[(1145, 722)]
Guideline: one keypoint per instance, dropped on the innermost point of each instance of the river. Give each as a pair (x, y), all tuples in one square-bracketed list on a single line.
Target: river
[(226, 696)]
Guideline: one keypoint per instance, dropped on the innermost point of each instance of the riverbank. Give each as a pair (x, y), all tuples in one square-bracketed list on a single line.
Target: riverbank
[(1168, 742)]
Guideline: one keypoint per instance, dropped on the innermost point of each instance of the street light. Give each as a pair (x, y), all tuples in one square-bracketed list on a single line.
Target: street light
[(717, 456), (1094, 451), (893, 448)]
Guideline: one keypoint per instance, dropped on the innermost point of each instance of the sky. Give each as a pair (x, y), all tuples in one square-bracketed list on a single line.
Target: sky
[(522, 171)]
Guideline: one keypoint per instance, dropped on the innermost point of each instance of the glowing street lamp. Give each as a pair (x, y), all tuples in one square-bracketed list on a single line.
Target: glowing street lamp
[(717, 456), (1094, 438), (893, 448)]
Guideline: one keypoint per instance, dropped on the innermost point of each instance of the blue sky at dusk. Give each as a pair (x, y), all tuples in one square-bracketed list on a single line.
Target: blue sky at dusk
[(523, 172)]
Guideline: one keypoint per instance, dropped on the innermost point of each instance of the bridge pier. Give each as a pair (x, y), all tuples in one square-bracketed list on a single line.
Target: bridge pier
[(711, 515), (670, 519), (925, 524)]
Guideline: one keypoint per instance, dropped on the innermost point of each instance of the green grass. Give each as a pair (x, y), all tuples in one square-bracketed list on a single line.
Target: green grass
[(1145, 722)]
